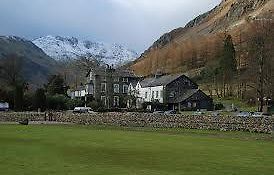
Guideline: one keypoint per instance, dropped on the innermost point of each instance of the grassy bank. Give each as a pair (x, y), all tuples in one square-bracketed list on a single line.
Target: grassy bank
[(102, 150)]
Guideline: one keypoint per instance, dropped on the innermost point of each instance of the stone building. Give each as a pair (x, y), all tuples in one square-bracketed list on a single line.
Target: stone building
[(175, 92), (109, 85)]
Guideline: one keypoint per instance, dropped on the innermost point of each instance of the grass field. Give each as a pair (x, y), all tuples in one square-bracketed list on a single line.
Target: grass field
[(82, 150)]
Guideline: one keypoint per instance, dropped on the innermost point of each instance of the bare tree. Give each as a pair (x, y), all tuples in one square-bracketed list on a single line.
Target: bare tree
[(11, 74), (261, 58), (11, 69)]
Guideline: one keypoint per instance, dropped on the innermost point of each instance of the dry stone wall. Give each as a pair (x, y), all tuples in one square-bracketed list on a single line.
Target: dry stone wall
[(223, 123)]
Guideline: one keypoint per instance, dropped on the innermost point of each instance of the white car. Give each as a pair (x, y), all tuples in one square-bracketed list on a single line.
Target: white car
[(244, 114), (258, 114), (82, 110), (4, 106)]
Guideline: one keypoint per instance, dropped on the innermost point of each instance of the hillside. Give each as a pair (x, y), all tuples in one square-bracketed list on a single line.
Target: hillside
[(36, 65), (190, 48), (71, 48)]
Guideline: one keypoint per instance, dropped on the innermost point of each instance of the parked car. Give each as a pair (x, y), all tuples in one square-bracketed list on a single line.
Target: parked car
[(171, 112), (198, 113), (258, 114), (158, 112), (215, 114), (4, 106), (82, 110), (244, 114)]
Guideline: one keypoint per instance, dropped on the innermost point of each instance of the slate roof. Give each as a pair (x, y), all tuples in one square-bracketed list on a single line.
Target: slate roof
[(79, 88), (186, 95), (103, 71), (125, 73), (160, 81)]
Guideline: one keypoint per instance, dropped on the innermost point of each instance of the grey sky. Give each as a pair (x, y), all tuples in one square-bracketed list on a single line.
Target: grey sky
[(134, 23)]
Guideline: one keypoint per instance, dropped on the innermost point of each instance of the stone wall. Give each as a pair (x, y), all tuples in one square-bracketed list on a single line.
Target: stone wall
[(224, 123), (19, 116)]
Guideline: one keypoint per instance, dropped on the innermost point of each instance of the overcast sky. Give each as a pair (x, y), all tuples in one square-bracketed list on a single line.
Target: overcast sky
[(133, 23)]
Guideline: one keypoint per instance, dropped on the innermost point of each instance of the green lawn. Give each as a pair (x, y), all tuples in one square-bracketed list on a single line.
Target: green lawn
[(83, 150)]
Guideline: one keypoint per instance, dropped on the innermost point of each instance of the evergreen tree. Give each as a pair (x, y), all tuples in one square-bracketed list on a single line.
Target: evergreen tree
[(56, 85), (40, 99), (228, 63), (19, 91)]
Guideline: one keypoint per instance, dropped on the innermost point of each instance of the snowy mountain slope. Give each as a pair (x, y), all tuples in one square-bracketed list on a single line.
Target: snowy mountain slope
[(67, 48)]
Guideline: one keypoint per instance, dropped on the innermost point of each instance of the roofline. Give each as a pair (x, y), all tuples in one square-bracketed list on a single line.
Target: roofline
[(199, 90), (183, 75)]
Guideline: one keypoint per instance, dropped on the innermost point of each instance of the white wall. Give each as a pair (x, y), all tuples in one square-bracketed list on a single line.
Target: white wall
[(150, 91), (81, 93)]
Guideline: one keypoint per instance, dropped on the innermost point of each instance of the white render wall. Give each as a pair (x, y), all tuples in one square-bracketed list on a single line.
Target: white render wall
[(150, 91), (78, 94)]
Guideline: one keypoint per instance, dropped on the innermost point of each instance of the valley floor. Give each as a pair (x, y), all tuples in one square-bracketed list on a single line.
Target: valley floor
[(81, 150)]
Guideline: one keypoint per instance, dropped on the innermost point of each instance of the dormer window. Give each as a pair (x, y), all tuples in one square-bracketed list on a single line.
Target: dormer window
[(116, 79), (125, 79)]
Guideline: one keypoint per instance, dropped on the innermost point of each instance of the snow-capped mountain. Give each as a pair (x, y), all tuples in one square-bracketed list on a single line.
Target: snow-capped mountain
[(67, 48)]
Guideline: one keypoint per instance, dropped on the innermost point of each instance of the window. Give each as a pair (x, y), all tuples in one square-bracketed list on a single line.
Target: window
[(152, 94), (125, 79), (90, 76), (146, 95), (90, 89), (104, 100), (116, 79), (125, 89), (172, 95), (103, 87), (116, 101), (189, 105), (161, 94), (116, 88), (104, 78), (157, 94)]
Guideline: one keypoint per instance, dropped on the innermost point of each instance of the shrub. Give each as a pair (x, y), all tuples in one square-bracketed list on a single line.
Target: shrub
[(97, 106), (72, 103), (57, 102), (219, 106)]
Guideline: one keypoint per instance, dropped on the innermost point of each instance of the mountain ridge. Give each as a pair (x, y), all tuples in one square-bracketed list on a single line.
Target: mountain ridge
[(71, 48)]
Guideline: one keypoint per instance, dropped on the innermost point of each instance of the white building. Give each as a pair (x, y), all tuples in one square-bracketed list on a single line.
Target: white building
[(176, 92), (79, 92)]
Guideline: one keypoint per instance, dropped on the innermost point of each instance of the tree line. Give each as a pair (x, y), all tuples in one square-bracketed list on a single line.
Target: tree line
[(244, 65)]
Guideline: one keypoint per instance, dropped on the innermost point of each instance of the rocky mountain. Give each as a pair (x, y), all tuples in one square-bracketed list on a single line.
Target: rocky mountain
[(193, 46), (71, 48), (36, 65)]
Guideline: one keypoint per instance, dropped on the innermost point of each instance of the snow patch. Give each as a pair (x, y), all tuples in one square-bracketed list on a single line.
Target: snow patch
[(67, 48)]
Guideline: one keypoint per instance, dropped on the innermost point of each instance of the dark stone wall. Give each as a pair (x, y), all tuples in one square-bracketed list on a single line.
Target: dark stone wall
[(223, 123)]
